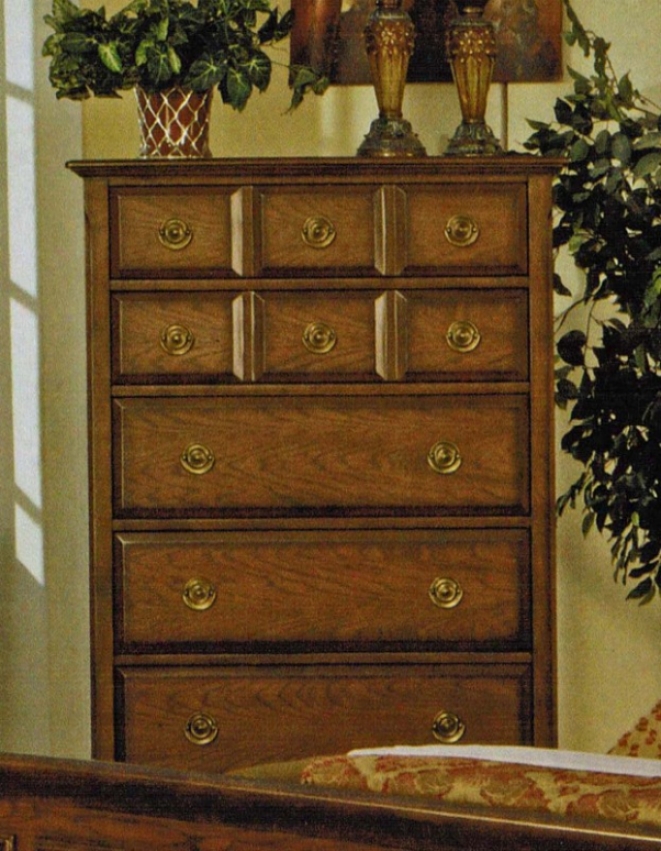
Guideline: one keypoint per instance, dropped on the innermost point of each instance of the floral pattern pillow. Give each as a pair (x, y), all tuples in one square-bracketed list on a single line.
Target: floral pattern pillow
[(644, 740), (485, 783)]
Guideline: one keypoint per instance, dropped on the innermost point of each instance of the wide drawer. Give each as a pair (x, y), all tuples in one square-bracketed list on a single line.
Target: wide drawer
[(217, 718), (177, 231), (456, 334), (342, 454), (357, 590)]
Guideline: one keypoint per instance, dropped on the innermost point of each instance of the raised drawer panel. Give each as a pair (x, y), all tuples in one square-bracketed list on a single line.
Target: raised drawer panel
[(353, 590), (214, 719), (317, 336), (171, 232), (470, 228), (343, 454), (467, 334), (172, 337), (319, 230)]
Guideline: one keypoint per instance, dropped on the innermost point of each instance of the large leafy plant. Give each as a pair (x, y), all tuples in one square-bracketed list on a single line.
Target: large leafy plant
[(157, 44), (608, 217)]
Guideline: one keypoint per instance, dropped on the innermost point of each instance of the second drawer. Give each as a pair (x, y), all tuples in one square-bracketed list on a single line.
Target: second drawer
[(357, 590)]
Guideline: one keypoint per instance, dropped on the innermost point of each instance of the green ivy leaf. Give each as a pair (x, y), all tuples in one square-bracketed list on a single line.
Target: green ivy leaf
[(109, 55), (621, 148), (647, 165)]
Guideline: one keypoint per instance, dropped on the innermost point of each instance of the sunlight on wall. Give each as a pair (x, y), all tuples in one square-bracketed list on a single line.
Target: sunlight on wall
[(24, 322)]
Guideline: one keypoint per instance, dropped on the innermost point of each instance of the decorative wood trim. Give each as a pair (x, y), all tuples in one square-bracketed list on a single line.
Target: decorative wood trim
[(391, 335), (248, 334)]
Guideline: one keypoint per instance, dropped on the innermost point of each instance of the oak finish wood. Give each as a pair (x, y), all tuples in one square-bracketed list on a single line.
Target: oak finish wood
[(320, 523)]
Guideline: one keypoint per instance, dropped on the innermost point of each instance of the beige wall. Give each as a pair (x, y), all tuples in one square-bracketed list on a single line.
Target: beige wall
[(609, 651)]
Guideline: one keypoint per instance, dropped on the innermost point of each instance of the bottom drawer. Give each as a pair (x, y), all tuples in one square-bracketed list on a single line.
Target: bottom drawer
[(215, 719)]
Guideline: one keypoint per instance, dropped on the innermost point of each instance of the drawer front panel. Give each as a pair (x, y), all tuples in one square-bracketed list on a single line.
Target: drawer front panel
[(342, 454), (222, 718), (171, 232), (467, 335), (172, 337), (319, 230), (467, 228), (320, 336), (353, 590)]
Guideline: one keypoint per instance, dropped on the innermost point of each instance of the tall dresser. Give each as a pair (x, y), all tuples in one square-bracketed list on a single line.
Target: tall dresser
[(320, 456)]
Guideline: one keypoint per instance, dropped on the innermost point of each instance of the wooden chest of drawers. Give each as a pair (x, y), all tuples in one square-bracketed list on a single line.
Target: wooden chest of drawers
[(321, 474)]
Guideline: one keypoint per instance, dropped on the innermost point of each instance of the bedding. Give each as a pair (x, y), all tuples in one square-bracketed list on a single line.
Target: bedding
[(629, 792), (644, 739)]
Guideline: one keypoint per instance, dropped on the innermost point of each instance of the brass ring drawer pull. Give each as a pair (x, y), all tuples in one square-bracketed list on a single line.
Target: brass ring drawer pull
[(201, 729), (318, 232), (445, 593), (319, 338), (175, 234), (177, 340), (197, 459), (462, 231), (448, 728), (463, 336), (444, 457), (199, 594)]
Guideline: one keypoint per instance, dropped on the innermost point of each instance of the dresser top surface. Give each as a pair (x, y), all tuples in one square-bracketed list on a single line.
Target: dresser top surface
[(507, 165)]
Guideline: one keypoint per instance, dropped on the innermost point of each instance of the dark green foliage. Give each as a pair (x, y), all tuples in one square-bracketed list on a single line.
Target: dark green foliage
[(156, 44), (608, 204)]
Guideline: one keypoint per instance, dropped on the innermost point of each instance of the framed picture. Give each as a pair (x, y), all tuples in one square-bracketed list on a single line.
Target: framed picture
[(328, 34)]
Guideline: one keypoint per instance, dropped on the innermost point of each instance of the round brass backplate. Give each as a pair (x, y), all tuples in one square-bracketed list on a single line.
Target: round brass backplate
[(197, 459), (175, 234), (201, 729), (318, 232), (176, 339), (463, 336), (199, 594), (462, 231), (319, 338), (444, 457), (448, 728), (445, 593)]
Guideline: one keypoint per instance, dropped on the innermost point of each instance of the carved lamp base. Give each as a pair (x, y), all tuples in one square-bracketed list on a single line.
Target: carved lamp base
[(391, 137), (474, 139)]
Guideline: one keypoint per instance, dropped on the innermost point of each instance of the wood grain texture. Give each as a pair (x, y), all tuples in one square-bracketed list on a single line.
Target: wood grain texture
[(78, 804), (352, 590), (267, 714), (292, 455)]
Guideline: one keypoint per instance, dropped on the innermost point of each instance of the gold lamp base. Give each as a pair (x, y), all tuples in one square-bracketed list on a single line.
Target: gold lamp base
[(474, 139), (471, 50), (391, 137), (389, 40)]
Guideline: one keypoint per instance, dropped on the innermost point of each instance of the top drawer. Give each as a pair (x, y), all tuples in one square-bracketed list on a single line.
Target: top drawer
[(315, 230), (180, 232)]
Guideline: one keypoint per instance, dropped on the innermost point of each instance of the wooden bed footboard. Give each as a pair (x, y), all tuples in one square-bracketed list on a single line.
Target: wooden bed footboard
[(51, 804)]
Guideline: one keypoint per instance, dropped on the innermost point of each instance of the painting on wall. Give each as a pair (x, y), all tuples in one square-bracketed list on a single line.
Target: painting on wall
[(328, 34)]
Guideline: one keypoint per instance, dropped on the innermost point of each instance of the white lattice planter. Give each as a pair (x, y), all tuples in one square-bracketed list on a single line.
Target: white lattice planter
[(174, 123)]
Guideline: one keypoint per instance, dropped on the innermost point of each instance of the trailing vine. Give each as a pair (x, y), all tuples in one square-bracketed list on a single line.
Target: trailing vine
[(607, 201)]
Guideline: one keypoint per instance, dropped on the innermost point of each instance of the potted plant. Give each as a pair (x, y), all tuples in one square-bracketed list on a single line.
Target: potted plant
[(174, 53), (608, 204)]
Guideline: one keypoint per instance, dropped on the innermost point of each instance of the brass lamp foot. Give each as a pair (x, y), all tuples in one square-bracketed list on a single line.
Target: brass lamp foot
[(474, 139), (391, 137)]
